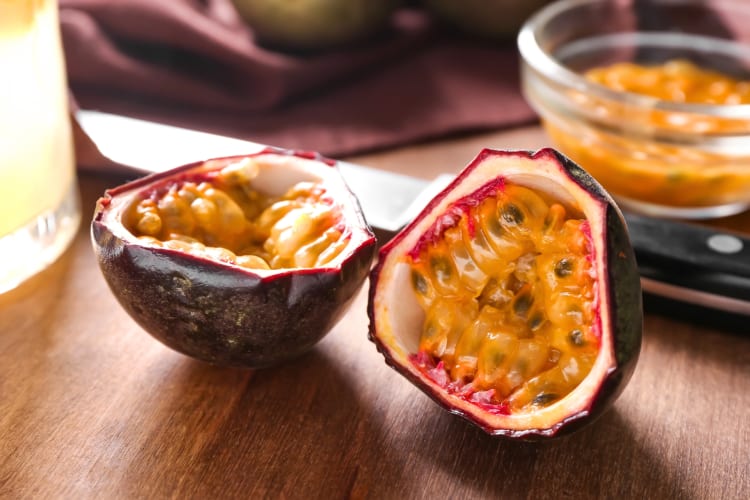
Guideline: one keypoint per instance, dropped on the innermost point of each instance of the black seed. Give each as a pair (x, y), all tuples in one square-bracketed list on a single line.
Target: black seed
[(544, 398), (536, 321), (419, 282), (522, 303), (564, 267), (576, 338), (512, 214)]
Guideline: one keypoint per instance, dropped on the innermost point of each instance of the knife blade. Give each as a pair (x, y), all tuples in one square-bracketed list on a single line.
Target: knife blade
[(678, 261)]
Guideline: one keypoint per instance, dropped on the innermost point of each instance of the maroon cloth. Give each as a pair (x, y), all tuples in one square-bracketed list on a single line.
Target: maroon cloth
[(195, 63)]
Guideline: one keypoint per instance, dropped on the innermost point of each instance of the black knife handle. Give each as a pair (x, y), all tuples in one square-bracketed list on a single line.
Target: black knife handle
[(689, 247)]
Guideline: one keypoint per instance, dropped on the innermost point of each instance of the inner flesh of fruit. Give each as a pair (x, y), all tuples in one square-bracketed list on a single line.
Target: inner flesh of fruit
[(507, 284), (220, 215), (676, 80)]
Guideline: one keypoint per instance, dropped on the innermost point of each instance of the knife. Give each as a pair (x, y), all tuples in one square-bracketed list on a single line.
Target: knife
[(678, 261)]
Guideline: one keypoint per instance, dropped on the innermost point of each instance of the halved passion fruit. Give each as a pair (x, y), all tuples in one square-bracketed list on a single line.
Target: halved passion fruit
[(514, 298), (245, 260)]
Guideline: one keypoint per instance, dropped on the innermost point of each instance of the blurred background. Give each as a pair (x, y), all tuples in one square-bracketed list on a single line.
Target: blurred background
[(338, 76)]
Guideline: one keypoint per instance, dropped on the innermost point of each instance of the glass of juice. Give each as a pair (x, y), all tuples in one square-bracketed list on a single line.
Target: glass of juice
[(39, 205)]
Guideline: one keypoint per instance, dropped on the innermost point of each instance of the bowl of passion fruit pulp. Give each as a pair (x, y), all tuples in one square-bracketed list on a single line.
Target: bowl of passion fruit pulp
[(652, 98)]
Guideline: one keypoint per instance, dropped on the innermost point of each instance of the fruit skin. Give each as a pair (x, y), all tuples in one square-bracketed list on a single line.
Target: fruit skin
[(224, 314), (489, 19), (623, 319), (314, 24)]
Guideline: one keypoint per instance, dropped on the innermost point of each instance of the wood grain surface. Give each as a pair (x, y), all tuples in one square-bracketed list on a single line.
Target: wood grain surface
[(92, 407)]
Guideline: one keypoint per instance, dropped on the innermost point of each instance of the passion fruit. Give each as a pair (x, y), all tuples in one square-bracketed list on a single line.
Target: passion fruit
[(514, 298), (492, 20), (244, 261), (312, 25)]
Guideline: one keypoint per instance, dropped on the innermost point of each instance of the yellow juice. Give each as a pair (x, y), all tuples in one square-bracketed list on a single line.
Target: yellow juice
[(36, 157), (37, 168)]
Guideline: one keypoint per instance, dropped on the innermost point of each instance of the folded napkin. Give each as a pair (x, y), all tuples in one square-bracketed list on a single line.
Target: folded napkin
[(194, 63)]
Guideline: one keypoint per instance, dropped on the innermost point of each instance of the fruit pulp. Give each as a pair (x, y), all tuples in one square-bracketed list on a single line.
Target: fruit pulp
[(39, 210), (221, 215), (642, 171), (508, 289)]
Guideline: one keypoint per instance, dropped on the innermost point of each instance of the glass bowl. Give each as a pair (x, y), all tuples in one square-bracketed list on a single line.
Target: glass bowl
[(655, 156)]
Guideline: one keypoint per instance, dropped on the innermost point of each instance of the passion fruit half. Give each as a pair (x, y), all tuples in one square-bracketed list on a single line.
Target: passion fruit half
[(244, 261), (514, 298)]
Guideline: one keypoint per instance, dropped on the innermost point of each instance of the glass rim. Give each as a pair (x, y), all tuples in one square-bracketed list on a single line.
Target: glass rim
[(546, 65)]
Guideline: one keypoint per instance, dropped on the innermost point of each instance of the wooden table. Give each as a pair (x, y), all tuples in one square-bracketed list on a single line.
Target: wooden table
[(93, 407)]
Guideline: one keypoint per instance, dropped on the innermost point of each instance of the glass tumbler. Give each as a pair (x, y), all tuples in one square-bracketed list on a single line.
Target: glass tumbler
[(39, 205)]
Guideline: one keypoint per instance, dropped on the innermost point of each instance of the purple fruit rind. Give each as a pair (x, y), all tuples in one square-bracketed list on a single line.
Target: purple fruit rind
[(221, 313)]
